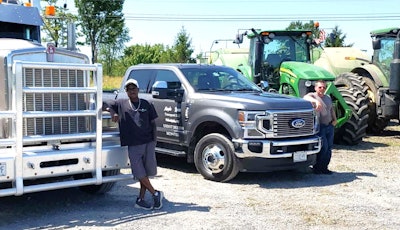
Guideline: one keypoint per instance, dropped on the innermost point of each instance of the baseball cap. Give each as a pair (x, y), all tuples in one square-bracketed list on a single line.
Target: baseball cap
[(131, 81)]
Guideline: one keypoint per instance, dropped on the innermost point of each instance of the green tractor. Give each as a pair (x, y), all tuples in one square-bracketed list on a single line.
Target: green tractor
[(379, 78), (282, 59)]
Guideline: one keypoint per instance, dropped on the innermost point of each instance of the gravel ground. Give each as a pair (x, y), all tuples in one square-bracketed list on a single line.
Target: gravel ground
[(363, 193)]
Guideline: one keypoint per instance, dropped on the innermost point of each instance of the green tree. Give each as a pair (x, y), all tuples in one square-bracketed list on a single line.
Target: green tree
[(336, 38), (112, 51), (168, 55), (183, 48), (56, 27), (298, 25), (102, 22), (138, 54), (181, 52)]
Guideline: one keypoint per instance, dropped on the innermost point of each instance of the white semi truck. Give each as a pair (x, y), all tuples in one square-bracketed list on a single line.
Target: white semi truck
[(53, 132)]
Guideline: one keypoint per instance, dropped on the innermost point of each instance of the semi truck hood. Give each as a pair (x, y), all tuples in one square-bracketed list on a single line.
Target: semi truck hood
[(255, 101), (9, 44), (24, 50)]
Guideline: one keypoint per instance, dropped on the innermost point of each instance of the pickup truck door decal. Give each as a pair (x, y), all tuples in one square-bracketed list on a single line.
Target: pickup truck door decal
[(169, 121), (172, 120)]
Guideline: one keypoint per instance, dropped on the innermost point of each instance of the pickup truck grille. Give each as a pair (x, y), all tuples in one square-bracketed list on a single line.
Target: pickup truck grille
[(54, 102), (281, 123)]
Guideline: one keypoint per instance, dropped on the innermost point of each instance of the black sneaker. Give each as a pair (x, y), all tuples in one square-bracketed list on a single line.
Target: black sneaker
[(142, 204), (157, 197)]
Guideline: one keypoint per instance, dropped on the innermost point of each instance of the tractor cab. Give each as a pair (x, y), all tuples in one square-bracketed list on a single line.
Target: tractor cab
[(282, 58), (383, 43)]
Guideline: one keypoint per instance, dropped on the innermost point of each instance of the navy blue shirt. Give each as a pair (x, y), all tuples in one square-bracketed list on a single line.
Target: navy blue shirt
[(134, 132)]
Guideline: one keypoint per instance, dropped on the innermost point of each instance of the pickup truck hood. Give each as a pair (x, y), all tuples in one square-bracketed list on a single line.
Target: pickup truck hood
[(256, 101)]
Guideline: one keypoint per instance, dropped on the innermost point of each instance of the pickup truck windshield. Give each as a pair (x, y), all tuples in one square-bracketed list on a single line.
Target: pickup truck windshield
[(218, 79)]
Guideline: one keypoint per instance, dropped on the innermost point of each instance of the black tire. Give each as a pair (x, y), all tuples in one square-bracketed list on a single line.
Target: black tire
[(376, 124), (351, 80), (352, 132), (98, 189), (352, 89), (215, 159)]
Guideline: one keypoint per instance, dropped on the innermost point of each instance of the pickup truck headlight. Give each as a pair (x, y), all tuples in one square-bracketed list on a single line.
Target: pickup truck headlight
[(316, 122), (248, 121)]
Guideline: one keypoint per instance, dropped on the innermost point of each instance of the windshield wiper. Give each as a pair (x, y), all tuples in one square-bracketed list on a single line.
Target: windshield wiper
[(246, 90)]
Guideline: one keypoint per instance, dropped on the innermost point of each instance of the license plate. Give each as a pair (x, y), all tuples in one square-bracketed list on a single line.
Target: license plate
[(2, 169), (299, 156)]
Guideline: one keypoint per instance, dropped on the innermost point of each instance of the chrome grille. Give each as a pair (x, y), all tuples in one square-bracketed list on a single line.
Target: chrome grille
[(280, 124), (54, 101)]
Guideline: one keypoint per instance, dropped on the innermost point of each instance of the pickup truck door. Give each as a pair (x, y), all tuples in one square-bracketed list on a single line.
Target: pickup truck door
[(169, 122)]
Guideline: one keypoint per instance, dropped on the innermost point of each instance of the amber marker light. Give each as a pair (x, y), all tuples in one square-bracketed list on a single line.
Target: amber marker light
[(50, 11)]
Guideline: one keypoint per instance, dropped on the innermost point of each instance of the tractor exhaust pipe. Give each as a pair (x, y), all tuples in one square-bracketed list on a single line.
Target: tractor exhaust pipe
[(394, 87)]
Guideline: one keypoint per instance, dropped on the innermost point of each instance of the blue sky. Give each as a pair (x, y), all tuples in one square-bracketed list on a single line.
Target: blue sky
[(152, 22)]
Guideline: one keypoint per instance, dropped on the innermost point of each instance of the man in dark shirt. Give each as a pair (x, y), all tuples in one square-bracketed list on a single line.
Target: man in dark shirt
[(136, 119)]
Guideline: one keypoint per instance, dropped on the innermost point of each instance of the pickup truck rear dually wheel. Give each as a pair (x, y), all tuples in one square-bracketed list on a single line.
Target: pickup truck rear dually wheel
[(215, 159)]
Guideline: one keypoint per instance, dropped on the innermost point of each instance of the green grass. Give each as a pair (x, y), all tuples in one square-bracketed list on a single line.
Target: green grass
[(111, 83)]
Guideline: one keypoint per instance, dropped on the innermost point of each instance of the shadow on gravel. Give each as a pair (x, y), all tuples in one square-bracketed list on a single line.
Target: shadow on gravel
[(364, 145), (71, 208), (390, 133), (370, 142), (281, 179), (175, 163), (294, 180)]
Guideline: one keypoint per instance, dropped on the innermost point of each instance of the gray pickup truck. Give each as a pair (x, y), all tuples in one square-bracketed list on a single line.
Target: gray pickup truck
[(223, 123)]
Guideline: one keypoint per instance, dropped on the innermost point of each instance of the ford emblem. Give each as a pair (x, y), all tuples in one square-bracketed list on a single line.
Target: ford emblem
[(298, 123)]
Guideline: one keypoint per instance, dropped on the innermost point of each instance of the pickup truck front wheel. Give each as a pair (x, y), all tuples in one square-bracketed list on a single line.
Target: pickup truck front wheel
[(214, 158)]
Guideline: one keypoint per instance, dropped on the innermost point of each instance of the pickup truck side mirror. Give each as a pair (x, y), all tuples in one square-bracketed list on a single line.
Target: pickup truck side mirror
[(264, 85), (167, 90)]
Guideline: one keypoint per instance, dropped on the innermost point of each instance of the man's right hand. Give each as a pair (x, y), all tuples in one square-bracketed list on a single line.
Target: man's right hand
[(318, 105)]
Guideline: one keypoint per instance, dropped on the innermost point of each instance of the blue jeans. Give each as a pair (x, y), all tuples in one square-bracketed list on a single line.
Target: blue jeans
[(326, 132)]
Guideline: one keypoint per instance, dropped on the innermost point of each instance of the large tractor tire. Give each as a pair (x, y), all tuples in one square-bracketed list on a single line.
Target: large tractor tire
[(351, 88), (351, 80), (376, 124)]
